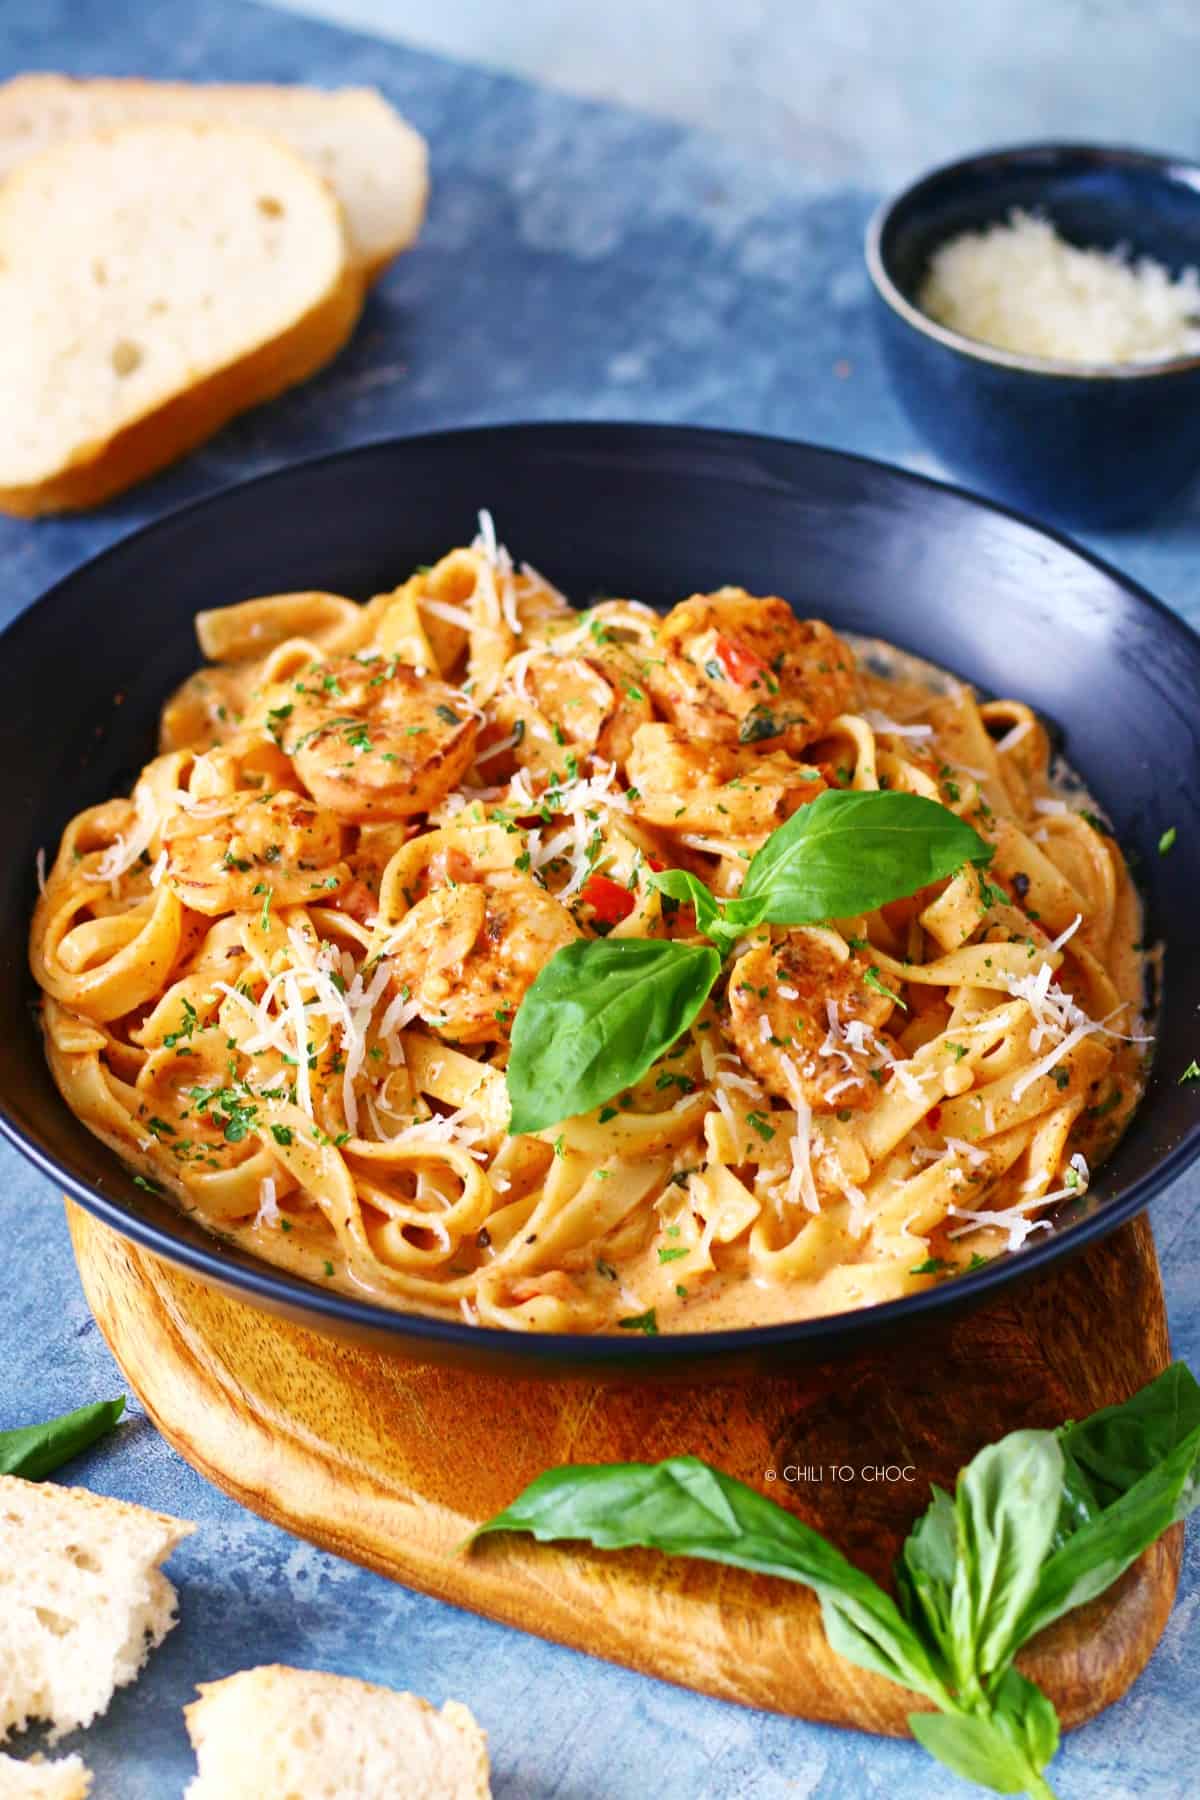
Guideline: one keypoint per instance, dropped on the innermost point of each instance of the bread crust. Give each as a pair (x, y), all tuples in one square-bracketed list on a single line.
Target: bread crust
[(108, 466), (273, 1693)]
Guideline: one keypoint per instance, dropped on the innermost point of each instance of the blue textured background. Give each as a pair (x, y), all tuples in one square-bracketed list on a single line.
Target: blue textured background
[(579, 261)]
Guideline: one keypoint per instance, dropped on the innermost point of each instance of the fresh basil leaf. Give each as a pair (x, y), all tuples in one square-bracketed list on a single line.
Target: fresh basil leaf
[(847, 853), (600, 1012), (974, 1747), (1025, 1716), (722, 921), (35, 1451), (684, 1508), (925, 1571), (1102, 1548), (1114, 1448), (1006, 1505)]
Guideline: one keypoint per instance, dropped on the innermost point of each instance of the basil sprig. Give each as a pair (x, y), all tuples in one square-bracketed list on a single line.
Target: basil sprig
[(596, 1006), (848, 853), (1039, 1523), (35, 1451), (603, 1011)]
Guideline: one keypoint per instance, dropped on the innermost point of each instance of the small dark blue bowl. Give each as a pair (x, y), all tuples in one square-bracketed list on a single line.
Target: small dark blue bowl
[(1093, 444)]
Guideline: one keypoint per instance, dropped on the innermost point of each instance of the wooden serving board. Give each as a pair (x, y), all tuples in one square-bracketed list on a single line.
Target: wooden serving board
[(392, 1465)]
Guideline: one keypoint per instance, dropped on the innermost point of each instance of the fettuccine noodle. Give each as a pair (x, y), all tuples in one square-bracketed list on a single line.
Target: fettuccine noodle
[(279, 981)]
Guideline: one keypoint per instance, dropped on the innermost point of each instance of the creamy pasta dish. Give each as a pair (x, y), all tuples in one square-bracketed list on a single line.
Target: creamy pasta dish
[(475, 954)]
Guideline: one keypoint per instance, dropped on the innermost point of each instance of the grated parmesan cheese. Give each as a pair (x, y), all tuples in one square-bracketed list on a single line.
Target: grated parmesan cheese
[(801, 1187), (1023, 288), (497, 570), (268, 1211), (124, 852), (1012, 738)]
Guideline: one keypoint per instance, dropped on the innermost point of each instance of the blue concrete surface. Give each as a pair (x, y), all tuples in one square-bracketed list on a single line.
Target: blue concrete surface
[(579, 261)]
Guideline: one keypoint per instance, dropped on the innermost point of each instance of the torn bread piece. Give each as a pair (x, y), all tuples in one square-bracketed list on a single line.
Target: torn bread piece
[(273, 1732), (68, 1778), (376, 163), (154, 282), (83, 1600)]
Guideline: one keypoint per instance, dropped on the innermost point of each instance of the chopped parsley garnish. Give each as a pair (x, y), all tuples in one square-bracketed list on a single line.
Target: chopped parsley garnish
[(238, 1116), (276, 717), (1106, 1106), (187, 1027), (759, 723), (873, 980), (1167, 840), (646, 1322)]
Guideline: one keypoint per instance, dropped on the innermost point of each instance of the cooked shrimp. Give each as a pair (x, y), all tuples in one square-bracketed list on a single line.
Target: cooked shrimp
[(468, 954), (232, 853), (591, 704), (781, 1025), (741, 670), (371, 738), (681, 783)]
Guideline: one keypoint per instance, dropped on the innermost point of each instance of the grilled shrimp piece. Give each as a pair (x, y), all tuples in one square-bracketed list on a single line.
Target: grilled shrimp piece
[(706, 786), (468, 954), (780, 1024), (370, 738), (591, 704), (234, 851), (746, 671), (595, 699)]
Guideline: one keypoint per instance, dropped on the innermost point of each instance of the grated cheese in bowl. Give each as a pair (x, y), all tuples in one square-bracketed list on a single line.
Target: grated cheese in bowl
[(1022, 288)]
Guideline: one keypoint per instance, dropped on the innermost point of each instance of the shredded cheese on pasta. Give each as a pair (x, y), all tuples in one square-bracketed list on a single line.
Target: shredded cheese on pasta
[(280, 982)]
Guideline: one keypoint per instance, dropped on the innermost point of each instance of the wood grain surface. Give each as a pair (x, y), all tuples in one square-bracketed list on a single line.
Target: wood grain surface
[(392, 1465)]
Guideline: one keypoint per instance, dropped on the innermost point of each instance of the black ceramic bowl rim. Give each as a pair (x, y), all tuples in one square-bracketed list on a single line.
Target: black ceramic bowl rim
[(1174, 169), (692, 1356)]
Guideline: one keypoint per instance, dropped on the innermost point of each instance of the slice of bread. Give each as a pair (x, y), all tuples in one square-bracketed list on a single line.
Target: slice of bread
[(66, 1779), (153, 283), (377, 164), (82, 1601), (273, 1733)]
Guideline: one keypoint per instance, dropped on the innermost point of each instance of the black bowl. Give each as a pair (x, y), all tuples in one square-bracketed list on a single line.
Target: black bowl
[(1094, 443), (656, 512)]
